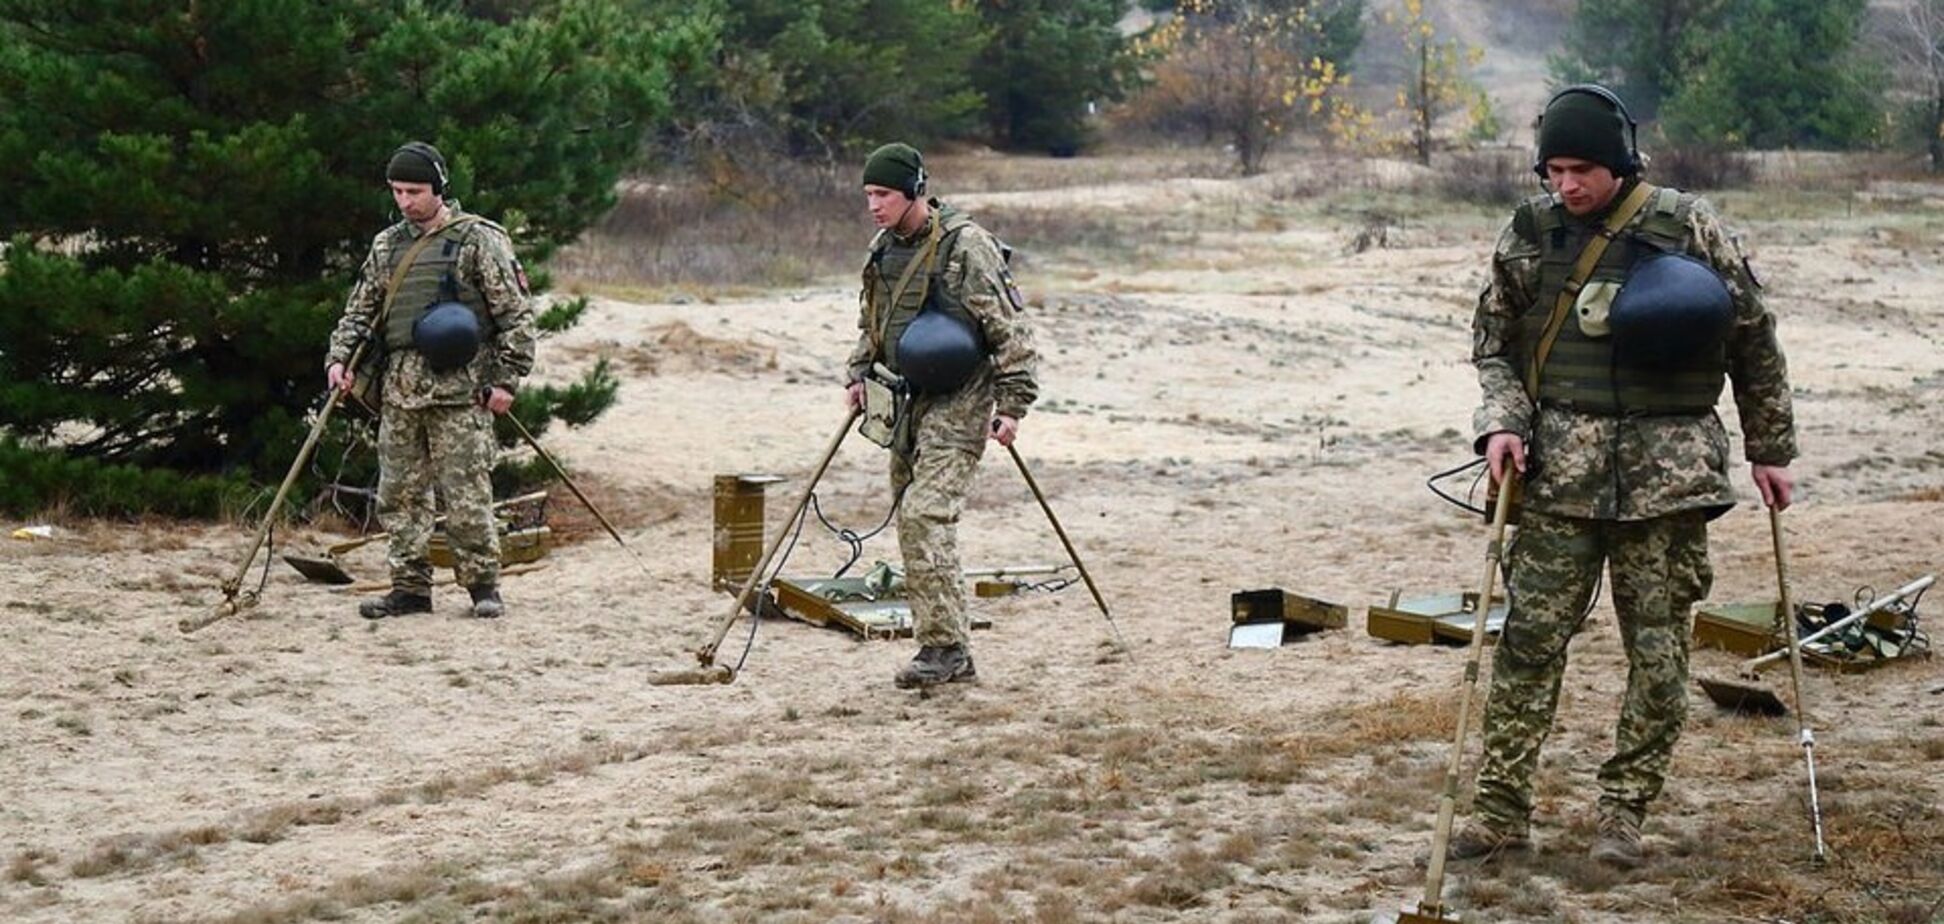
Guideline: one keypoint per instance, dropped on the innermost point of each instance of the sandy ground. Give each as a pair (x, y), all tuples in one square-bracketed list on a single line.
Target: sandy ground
[(1233, 400)]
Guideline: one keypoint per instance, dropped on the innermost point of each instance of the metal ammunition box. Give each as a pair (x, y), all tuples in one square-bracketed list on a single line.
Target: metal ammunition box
[(738, 528), (1443, 619), (1747, 629)]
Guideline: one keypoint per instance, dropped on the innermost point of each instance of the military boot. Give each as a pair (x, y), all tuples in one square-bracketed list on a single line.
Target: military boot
[(1478, 839), (1618, 843), (486, 601), (396, 603), (935, 665)]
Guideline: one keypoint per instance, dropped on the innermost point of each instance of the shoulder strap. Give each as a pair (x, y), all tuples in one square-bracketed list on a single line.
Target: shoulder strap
[(405, 264), (1589, 257), (921, 260)]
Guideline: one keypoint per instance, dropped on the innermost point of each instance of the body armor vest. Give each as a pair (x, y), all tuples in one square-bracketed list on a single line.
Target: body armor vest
[(1583, 372), (434, 277), (888, 262)]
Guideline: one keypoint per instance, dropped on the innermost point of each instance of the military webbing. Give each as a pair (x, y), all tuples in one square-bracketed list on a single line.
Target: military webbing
[(1589, 257), (922, 260)]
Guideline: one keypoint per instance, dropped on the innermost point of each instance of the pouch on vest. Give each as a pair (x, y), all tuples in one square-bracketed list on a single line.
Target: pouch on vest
[(939, 351), (886, 399), (1593, 305), (368, 377)]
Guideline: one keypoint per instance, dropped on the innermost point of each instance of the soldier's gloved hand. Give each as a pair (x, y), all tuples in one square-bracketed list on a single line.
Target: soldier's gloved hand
[(1005, 429), (1503, 447), (854, 396), (338, 377), (1774, 483)]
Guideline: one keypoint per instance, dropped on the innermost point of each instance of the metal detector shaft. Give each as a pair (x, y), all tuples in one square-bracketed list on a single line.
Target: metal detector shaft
[(569, 482), (1804, 734), (1433, 905), (234, 585), (706, 654), (1071, 552)]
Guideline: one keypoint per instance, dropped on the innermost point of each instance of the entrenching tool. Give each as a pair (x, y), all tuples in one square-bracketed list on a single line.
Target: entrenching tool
[(1748, 694), (1431, 909), (327, 569), (1071, 553), (569, 482), (709, 671)]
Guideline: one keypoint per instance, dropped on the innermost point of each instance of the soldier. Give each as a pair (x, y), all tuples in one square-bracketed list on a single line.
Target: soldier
[(1599, 389), (447, 370), (941, 323)]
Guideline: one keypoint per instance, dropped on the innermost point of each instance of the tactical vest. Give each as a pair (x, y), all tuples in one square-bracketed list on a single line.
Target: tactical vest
[(1582, 371), (434, 277), (887, 265)]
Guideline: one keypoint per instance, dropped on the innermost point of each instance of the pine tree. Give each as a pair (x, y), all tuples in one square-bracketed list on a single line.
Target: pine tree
[(1044, 64), (1781, 73), (190, 188)]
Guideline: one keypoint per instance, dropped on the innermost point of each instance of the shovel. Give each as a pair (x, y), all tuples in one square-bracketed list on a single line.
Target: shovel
[(1431, 909), (1747, 693), (710, 672), (327, 569)]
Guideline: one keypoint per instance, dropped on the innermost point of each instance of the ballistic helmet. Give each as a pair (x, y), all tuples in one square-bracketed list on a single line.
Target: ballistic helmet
[(938, 351), (1672, 310), (447, 335)]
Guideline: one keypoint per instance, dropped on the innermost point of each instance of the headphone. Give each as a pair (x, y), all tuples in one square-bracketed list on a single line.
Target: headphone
[(1633, 165), (917, 190), (432, 154)]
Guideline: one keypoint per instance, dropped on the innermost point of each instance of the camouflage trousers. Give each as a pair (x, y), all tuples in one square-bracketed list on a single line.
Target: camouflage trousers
[(450, 448), (947, 441), (1659, 570)]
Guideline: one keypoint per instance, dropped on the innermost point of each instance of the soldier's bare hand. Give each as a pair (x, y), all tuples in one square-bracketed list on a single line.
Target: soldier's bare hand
[(1775, 484), (1005, 429), (498, 400), (338, 377), (1502, 447), (854, 396)]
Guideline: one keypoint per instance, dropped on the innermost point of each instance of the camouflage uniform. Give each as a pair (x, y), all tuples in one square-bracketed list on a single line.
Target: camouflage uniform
[(433, 430), (1633, 490), (937, 450)]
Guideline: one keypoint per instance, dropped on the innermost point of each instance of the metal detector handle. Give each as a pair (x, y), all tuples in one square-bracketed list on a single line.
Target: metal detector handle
[(1071, 553), (1877, 605), (1804, 735), (706, 654), (234, 586), (1448, 799)]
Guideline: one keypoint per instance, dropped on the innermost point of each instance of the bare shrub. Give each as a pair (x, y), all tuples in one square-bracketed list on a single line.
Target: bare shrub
[(1493, 178), (1701, 167)]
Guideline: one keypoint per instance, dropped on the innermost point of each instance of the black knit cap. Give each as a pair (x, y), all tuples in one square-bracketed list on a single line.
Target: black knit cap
[(417, 162), (1581, 123), (896, 166)]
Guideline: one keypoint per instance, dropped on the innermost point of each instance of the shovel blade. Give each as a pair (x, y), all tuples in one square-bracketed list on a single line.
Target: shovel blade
[(1743, 696), (324, 570)]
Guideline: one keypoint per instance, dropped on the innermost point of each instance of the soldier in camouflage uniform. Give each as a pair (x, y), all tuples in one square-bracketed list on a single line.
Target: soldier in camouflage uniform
[(436, 428), (1622, 465), (961, 271)]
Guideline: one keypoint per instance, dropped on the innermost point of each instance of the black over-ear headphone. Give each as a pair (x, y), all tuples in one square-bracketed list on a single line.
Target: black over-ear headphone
[(917, 190), (432, 155), (1612, 99)]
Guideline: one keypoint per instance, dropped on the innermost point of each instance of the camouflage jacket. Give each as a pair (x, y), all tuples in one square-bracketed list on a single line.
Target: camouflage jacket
[(1632, 468), (974, 273), (486, 258)]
